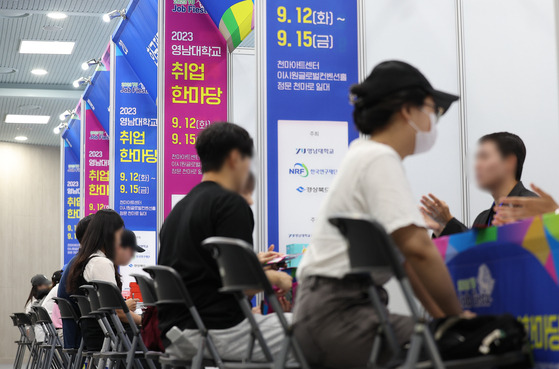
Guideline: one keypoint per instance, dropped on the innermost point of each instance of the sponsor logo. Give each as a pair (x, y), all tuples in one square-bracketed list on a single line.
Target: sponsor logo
[(133, 88), (299, 169), (476, 292), (301, 189)]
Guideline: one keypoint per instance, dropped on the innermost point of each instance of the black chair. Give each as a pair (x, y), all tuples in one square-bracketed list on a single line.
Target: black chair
[(170, 290), (67, 312), (241, 271), (51, 346), (85, 315), (111, 300), (370, 250), (36, 349), (23, 343)]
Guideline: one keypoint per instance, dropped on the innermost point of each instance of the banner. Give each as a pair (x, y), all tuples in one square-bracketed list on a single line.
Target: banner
[(135, 167), (311, 62), (95, 163), (138, 40), (195, 93), (234, 18), (71, 189), (97, 96), (511, 269)]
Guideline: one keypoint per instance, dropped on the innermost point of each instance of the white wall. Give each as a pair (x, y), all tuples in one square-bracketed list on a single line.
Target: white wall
[(511, 84)]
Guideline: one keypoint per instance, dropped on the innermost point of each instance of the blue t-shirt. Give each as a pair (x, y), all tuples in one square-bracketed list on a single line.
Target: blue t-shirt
[(71, 330)]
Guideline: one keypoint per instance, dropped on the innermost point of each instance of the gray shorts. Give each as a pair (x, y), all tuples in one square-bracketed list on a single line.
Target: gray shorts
[(335, 322)]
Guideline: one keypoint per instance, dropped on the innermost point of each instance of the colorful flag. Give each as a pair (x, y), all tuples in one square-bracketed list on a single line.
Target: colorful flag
[(233, 18)]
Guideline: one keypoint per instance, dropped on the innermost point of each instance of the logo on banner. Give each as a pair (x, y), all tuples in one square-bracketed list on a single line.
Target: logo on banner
[(188, 6), (98, 136), (476, 292), (301, 189), (73, 168), (299, 169), (133, 88)]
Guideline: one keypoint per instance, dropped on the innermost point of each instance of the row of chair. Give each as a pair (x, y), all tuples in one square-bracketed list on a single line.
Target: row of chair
[(240, 272)]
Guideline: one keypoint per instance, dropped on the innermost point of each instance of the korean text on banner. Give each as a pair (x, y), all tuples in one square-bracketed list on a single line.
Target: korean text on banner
[(135, 170), (195, 93), (96, 164), (312, 60), (71, 198)]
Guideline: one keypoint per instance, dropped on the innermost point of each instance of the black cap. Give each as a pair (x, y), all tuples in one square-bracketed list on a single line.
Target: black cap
[(39, 280), (393, 76), (128, 239)]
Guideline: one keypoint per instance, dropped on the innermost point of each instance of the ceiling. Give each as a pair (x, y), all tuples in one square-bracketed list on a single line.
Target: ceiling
[(51, 94)]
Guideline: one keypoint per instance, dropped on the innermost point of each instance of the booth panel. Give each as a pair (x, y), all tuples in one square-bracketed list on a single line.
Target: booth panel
[(511, 84), (244, 90)]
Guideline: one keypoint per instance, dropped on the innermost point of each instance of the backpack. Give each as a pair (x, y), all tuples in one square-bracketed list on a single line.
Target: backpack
[(151, 335), (459, 338)]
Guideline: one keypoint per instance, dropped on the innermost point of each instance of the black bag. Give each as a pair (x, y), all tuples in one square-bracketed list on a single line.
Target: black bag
[(459, 338)]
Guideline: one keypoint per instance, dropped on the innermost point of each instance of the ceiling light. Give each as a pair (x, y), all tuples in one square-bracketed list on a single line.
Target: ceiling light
[(27, 119), (29, 107), (7, 70), (81, 81), (39, 72), (46, 47), (57, 15), (13, 14), (89, 63), (114, 14), (59, 128), (52, 28), (20, 138), (65, 114)]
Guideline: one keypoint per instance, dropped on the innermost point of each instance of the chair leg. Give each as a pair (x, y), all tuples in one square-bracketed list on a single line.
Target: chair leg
[(199, 357), (281, 359)]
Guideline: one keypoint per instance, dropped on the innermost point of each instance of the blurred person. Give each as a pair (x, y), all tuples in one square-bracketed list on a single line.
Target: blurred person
[(513, 209), (50, 305), (96, 261), (248, 189), (499, 163), (214, 208), (334, 320), (71, 331), (40, 287)]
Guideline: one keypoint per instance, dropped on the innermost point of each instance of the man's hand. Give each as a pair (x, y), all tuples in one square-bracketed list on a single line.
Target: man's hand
[(265, 257), (281, 280), (132, 303), (285, 305), (513, 209), (435, 212)]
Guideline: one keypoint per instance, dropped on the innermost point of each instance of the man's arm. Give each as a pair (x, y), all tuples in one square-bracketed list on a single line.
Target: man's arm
[(422, 294), (423, 257), (438, 217)]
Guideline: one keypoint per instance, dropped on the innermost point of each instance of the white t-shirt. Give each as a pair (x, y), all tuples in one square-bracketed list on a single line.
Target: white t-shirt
[(100, 268), (372, 182)]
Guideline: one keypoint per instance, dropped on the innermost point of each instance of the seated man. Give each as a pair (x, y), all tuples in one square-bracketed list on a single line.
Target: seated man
[(499, 163), (214, 208)]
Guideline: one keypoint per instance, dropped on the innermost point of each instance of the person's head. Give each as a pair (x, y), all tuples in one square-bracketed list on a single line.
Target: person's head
[(226, 149), (40, 287), (102, 234), (82, 226), (56, 276), (500, 157), (128, 248), (397, 99), (248, 189)]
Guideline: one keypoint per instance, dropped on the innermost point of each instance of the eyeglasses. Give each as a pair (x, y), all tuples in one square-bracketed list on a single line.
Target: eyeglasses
[(436, 109)]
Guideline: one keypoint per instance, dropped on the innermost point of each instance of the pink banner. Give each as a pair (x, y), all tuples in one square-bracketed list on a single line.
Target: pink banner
[(195, 93), (96, 166), (106, 58)]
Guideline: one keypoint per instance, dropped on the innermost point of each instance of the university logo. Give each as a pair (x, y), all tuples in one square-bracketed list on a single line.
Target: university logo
[(476, 292)]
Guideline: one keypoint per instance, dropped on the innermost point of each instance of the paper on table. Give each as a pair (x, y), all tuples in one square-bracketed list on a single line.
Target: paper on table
[(284, 258)]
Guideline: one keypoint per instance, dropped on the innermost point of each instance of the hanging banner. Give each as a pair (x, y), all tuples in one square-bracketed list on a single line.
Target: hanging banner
[(311, 60), (234, 18), (71, 190), (106, 58), (137, 38), (194, 93), (95, 163), (135, 168), (511, 269), (97, 96)]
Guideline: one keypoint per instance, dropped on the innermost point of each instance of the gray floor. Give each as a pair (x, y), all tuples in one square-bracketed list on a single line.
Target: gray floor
[(5, 366)]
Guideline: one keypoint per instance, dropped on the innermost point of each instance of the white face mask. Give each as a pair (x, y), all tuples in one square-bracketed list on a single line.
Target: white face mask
[(424, 140)]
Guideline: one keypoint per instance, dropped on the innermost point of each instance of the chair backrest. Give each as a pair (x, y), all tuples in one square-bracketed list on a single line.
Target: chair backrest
[(370, 248), (42, 315), (109, 296), (169, 287), (23, 319), (66, 309), (91, 295), (83, 304), (147, 288), (239, 267), (33, 317)]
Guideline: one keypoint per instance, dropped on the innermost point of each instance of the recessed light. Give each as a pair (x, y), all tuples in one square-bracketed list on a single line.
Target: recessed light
[(27, 119), (57, 15), (29, 107), (13, 14), (20, 138), (46, 47), (52, 28), (39, 72), (7, 70)]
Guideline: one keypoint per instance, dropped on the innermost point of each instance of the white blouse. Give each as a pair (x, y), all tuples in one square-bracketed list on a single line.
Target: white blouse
[(100, 268)]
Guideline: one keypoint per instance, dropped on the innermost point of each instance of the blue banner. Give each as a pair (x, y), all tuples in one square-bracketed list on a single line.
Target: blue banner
[(135, 191), (97, 96), (71, 200), (312, 60), (137, 38), (72, 136)]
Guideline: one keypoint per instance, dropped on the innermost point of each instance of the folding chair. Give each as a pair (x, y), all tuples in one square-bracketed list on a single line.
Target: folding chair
[(22, 343), (25, 324), (51, 346), (36, 349), (110, 299), (371, 249), (170, 290), (241, 271), (67, 312), (85, 315)]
